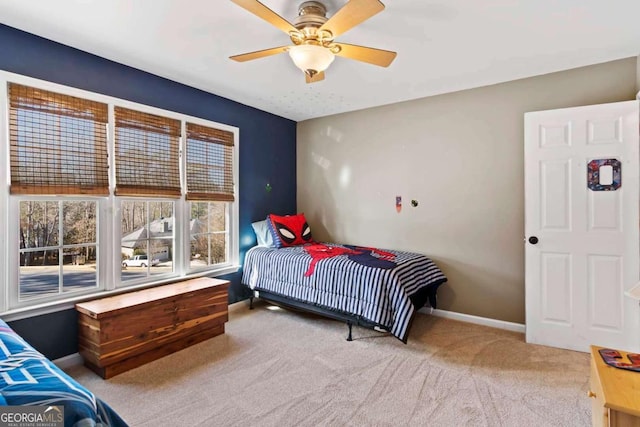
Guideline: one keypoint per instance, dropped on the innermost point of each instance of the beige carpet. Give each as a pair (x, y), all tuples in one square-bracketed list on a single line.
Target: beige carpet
[(280, 368)]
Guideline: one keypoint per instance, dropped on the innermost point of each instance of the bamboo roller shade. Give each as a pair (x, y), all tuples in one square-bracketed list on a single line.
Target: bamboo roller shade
[(59, 146), (147, 154), (209, 163), (58, 143)]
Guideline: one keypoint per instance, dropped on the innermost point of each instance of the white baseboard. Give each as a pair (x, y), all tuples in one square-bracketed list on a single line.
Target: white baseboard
[(485, 321), (69, 361)]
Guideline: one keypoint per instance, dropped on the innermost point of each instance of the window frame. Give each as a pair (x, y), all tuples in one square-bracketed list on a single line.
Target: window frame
[(13, 272), (108, 213), (227, 234), (123, 284)]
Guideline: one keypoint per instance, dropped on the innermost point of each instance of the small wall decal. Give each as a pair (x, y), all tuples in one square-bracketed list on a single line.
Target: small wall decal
[(268, 187), (398, 203), (604, 174), (414, 203)]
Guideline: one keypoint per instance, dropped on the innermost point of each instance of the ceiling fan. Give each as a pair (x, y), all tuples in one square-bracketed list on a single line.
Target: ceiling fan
[(312, 35)]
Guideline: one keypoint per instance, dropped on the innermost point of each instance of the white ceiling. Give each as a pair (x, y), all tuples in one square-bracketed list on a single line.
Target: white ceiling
[(442, 46)]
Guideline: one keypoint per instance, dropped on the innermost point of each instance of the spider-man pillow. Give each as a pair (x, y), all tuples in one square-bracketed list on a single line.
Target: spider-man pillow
[(290, 230)]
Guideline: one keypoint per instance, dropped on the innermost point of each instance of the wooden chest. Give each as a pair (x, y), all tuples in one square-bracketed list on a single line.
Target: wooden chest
[(125, 331)]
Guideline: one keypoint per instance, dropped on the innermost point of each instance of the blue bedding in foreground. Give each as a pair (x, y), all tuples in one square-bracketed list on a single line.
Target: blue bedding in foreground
[(28, 378)]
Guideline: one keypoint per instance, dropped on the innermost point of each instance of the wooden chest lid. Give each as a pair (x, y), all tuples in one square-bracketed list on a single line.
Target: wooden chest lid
[(109, 306)]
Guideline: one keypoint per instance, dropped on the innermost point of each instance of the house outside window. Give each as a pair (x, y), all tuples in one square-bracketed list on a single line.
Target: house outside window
[(147, 241)]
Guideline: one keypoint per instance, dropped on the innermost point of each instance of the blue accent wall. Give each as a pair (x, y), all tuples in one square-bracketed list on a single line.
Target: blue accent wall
[(267, 147)]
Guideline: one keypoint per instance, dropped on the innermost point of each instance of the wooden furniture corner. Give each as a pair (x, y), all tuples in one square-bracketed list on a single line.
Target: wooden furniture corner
[(122, 332), (615, 393)]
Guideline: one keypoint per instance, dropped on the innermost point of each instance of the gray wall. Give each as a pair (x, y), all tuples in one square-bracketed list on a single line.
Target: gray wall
[(460, 156)]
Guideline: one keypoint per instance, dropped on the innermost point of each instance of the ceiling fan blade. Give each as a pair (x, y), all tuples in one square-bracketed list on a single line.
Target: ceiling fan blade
[(262, 11), (382, 58), (350, 15), (316, 77), (259, 54)]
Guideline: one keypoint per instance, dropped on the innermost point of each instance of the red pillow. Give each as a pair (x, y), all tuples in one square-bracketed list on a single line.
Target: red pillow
[(290, 230)]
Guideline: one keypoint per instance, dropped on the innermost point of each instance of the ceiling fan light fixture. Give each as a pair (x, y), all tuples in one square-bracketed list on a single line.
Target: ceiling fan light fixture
[(312, 35), (310, 58)]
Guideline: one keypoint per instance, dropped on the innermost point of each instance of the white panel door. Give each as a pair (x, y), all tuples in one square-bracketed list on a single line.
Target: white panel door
[(582, 245)]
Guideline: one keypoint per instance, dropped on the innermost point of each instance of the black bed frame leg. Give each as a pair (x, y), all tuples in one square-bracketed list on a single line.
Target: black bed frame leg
[(251, 302), (349, 338)]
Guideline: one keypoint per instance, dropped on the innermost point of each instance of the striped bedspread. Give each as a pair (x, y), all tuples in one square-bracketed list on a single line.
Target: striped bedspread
[(345, 283)]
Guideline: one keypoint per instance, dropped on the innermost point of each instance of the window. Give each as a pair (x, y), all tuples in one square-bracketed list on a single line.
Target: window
[(58, 248), (209, 188), (147, 239), (58, 145), (104, 193), (209, 234)]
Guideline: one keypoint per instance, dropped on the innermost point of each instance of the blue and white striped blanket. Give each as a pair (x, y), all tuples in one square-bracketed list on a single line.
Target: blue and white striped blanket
[(379, 295), (28, 378)]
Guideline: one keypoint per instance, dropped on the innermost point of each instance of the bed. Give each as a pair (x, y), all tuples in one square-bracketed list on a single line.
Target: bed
[(29, 378), (370, 287)]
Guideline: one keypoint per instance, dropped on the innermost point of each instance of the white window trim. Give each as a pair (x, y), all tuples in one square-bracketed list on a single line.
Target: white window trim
[(4, 197), (108, 213)]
